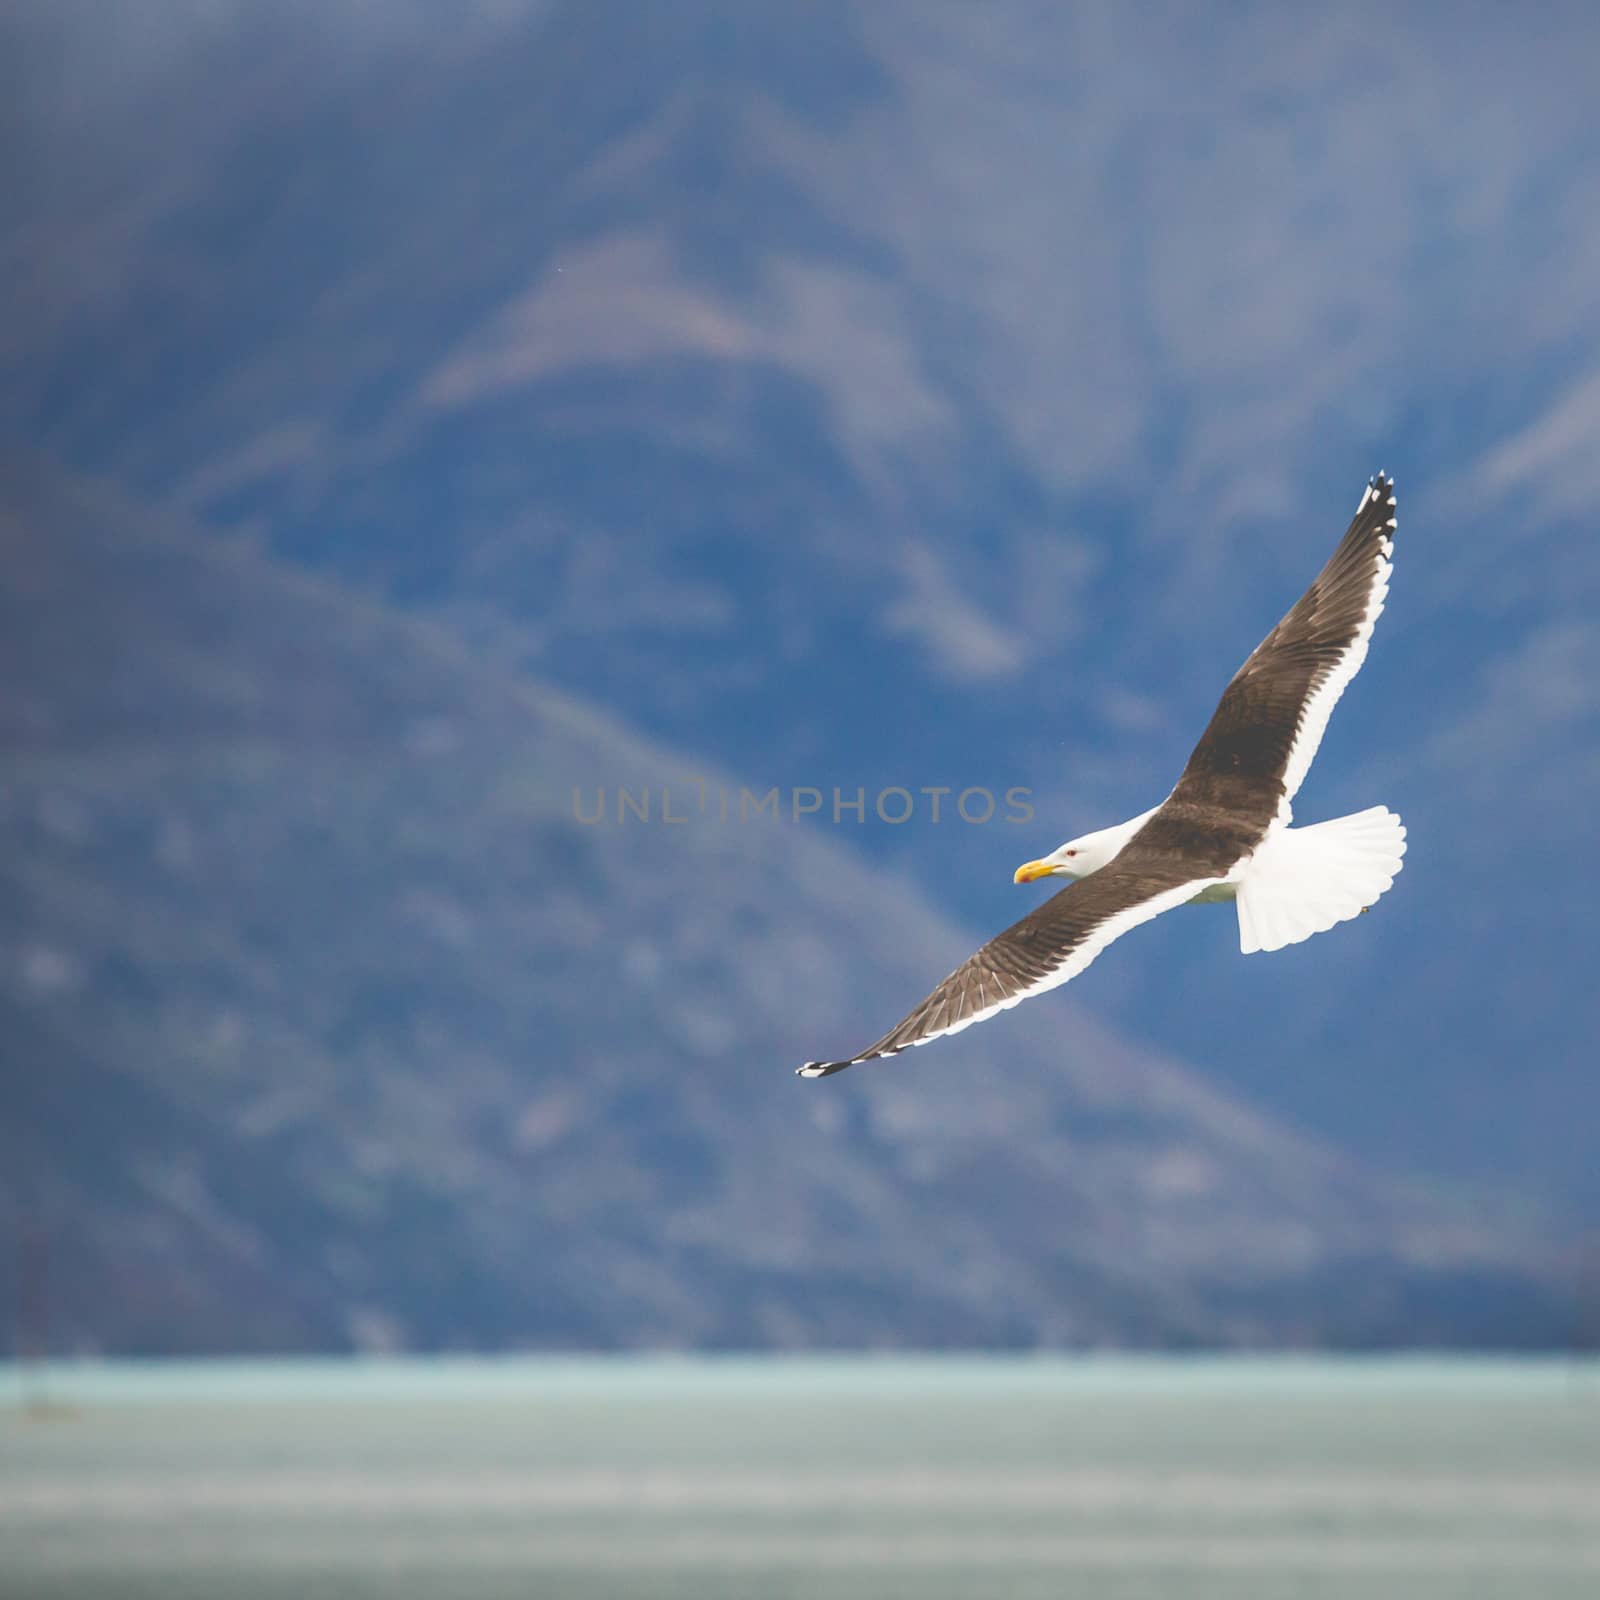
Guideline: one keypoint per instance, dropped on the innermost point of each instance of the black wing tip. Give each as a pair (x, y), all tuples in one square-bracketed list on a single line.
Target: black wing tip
[(826, 1069), (821, 1069)]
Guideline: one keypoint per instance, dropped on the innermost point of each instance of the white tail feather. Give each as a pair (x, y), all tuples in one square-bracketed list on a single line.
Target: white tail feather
[(1302, 881)]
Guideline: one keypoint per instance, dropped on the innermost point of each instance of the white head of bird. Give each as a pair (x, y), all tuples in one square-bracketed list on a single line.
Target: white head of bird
[(1077, 858)]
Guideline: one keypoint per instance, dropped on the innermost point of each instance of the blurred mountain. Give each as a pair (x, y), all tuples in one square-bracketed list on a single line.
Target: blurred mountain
[(910, 395), (328, 1024)]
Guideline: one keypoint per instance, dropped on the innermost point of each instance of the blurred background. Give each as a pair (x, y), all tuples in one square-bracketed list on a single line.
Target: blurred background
[(422, 421)]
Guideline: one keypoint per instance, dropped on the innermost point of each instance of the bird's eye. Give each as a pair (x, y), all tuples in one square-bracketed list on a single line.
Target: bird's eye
[(1072, 852)]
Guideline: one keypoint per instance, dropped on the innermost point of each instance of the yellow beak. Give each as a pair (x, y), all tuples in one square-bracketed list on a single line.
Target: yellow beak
[(1029, 870)]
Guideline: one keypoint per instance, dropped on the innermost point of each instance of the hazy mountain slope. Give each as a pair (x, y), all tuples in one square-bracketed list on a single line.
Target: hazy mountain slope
[(911, 394), (326, 1022)]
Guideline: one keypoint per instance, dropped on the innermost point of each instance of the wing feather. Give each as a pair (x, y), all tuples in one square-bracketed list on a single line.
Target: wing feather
[(1259, 745), (1049, 946)]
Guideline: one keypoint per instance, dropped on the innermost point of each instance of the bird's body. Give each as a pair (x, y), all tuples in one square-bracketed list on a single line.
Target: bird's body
[(1321, 868), (1224, 833)]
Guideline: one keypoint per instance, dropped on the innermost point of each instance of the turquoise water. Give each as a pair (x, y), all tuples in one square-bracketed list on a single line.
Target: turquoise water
[(852, 1478)]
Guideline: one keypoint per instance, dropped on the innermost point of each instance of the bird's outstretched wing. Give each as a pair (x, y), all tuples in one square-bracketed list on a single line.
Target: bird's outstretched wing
[(1271, 718), (1053, 943)]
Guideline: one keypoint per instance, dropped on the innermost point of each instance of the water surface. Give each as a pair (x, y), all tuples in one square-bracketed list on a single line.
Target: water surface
[(763, 1478)]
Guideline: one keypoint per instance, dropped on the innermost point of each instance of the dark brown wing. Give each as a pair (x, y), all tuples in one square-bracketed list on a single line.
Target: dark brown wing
[(1053, 943), (1259, 745)]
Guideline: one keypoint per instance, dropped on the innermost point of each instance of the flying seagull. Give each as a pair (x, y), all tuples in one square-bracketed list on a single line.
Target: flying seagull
[(1223, 833)]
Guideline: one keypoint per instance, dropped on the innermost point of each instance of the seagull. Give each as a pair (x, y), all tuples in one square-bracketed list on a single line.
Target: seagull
[(1224, 832)]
